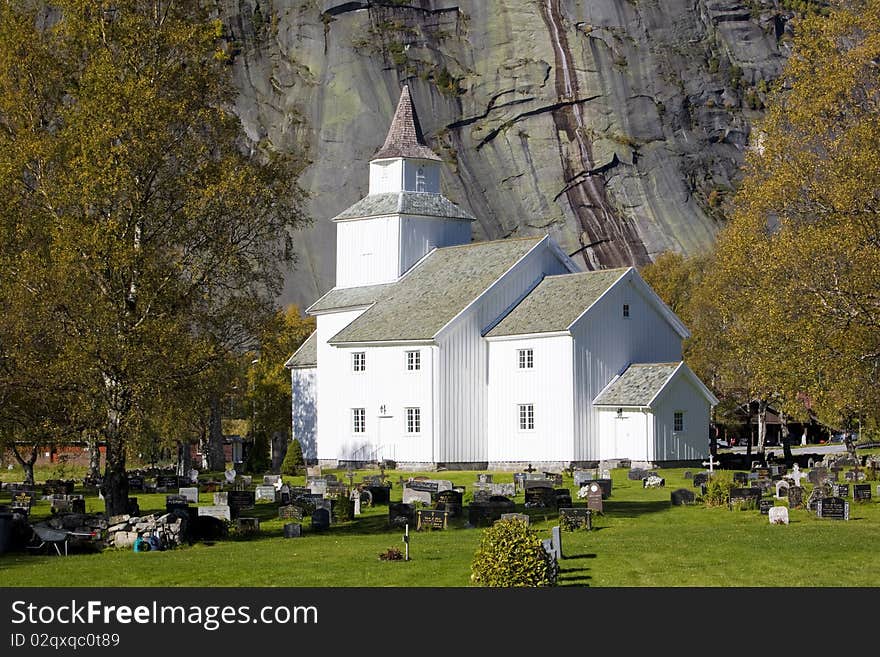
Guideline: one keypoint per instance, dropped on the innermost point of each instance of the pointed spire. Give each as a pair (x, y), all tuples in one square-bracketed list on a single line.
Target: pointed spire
[(405, 138)]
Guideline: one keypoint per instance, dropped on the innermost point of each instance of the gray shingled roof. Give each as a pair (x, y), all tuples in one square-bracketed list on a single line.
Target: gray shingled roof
[(424, 203), (556, 302), (307, 354), (637, 386), (405, 138), (435, 291), (348, 297)]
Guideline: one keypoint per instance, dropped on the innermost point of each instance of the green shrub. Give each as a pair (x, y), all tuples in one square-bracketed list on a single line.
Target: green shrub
[(293, 459), (509, 555), (343, 508), (718, 489)]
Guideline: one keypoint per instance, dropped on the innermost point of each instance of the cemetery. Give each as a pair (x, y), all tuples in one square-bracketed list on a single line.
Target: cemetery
[(609, 526)]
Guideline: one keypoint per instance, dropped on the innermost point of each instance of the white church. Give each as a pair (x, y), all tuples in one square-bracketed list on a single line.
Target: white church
[(434, 351)]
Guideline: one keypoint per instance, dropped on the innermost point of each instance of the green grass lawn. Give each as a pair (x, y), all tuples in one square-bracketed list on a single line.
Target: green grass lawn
[(640, 541)]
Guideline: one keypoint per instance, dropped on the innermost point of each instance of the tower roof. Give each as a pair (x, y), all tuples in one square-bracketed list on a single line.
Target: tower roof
[(405, 138)]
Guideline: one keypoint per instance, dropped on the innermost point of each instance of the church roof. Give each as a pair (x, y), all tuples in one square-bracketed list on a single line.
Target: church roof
[(638, 385), (306, 355), (421, 203), (405, 138), (435, 290), (556, 302), (348, 297)]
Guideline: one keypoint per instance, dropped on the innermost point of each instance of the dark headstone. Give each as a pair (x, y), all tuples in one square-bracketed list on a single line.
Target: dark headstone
[(605, 484), (482, 514), (449, 501), (795, 497), (688, 474), (175, 502), (135, 483), (595, 497), (836, 508), (563, 497), (745, 497), (208, 528), (22, 501), (290, 512), (539, 497), (636, 474), (431, 519), (581, 477), (400, 514), (239, 500), (861, 492), (320, 519), (292, 530), (575, 518), (484, 478), (132, 507), (741, 477), (682, 496), (840, 490), (381, 494), (167, 482), (423, 486), (699, 479), (764, 506)]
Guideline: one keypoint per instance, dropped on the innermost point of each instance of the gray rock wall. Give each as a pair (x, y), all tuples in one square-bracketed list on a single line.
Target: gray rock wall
[(616, 123)]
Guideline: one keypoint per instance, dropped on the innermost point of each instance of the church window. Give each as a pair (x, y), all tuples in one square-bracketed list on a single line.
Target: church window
[(526, 359), (413, 360), (678, 421), (359, 361), (358, 420), (526, 417), (414, 420), (626, 310), (421, 185)]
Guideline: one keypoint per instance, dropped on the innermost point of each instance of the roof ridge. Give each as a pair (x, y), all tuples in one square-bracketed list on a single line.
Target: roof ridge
[(485, 242)]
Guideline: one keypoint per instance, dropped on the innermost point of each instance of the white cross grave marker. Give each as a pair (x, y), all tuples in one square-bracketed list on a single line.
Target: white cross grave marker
[(797, 475), (711, 463)]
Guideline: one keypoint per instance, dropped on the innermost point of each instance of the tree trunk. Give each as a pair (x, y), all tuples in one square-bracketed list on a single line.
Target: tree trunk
[(94, 457), (184, 459), (27, 464), (115, 485), (216, 457), (762, 426), (749, 438), (785, 438)]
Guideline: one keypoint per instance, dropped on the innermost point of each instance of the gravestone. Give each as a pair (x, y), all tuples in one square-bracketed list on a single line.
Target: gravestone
[(817, 476), (165, 483), (554, 477), (752, 476), (431, 519), (744, 497), (482, 514), (229, 475), (605, 484), (264, 494), (412, 495), (682, 496), (400, 514), (840, 490), (572, 519), (583, 476), (688, 474), (502, 504), (292, 530), (271, 480), (290, 512), (653, 482), (861, 492), (507, 490), (132, 507), (636, 474), (778, 515), (318, 486), (320, 519), (221, 511), (556, 541), (284, 496), (563, 497), (136, 483), (191, 494), (313, 471), (741, 478), (449, 501), (835, 508), (699, 479), (248, 525), (594, 497), (540, 497), (764, 505), (519, 481), (175, 502), (221, 498), (782, 488), (239, 500), (522, 517), (380, 494), (484, 478), (764, 484)]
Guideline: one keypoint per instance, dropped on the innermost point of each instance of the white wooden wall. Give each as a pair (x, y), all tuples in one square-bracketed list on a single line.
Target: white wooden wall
[(548, 385), (330, 364), (693, 442), (463, 359), (386, 176), (304, 388), (431, 171), (367, 251), (605, 343), (419, 235)]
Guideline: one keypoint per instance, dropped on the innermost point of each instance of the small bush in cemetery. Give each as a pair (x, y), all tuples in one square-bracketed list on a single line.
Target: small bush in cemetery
[(511, 555), (343, 508), (391, 554), (718, 489), (293, 460)]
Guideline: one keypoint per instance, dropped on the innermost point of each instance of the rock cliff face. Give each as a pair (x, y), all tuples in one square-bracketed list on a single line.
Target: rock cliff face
[(617, 126)]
